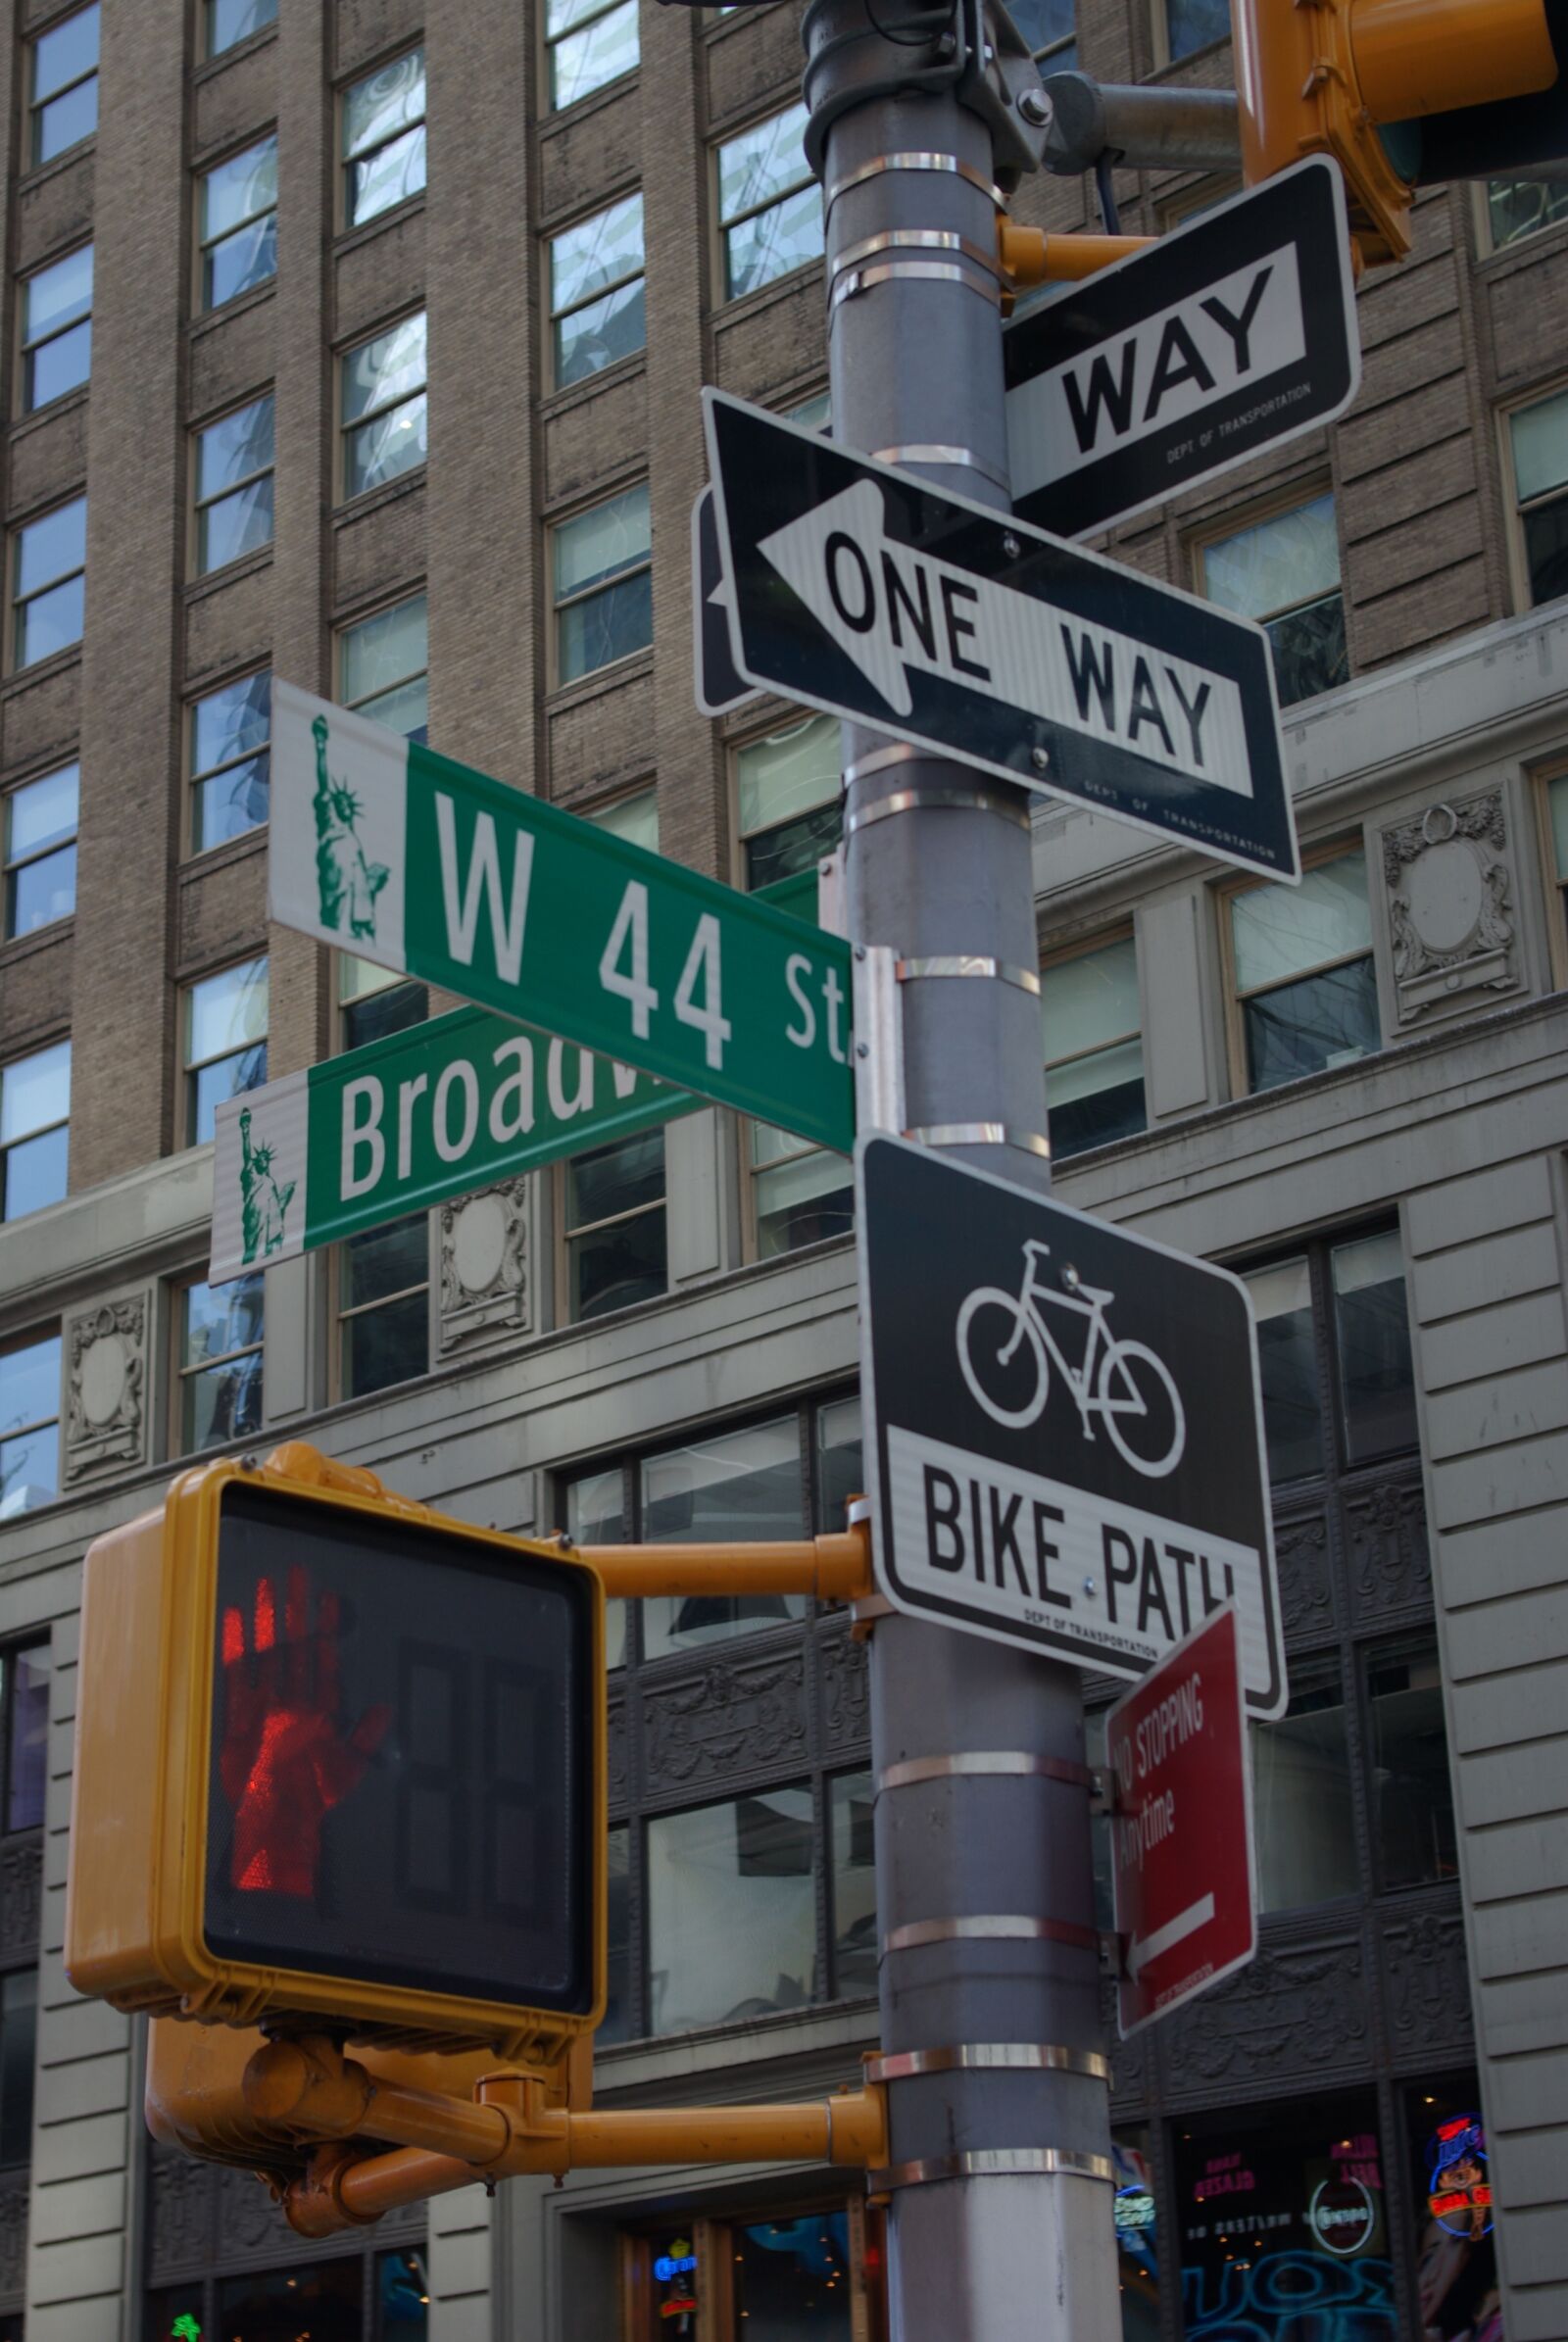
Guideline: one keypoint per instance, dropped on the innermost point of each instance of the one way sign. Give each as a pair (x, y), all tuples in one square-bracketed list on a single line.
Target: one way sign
[(857, 589)]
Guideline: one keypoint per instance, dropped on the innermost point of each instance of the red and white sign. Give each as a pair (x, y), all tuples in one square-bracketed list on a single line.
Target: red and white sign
[(1182, 1826)]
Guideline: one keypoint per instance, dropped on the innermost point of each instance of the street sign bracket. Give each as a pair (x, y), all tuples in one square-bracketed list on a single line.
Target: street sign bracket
[(879, 1100)]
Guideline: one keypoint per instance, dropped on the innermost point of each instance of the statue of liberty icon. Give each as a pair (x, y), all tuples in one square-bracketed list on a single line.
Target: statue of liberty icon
[(347, 884), (263, 1202)]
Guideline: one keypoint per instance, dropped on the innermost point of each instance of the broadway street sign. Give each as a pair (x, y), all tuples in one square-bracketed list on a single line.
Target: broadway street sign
[(1230, 336), (1065, 1431), (431, 1112), (385, 848), (857, 589)]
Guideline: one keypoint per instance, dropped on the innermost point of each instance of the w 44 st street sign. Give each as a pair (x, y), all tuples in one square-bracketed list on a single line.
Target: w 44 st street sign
[(386, 849), (858, 589)]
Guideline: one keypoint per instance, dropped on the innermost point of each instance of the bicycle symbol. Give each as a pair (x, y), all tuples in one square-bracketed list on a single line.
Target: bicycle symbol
[(1121, 1381)]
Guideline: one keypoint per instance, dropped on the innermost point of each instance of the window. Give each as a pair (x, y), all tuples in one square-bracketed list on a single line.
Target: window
[(1049, 26), (25, 1679), (19, 2040), (634, 819), (225, 1041), (1520, 208), (374, 1002), (29, 1425), (55, 329), (617, 2022), (603, 585), (1303, 1821), (220, 1362), (790, 815), (851, 1800), (234, 486), (1304, 979), (230, 760), (596, 1515), (1333, 1334), (50, 560), (807, 2273), (1539, 441), (732, 1910), (596, 291), (1193, 23), (1284, 572), (769, 206), (1556, 808), (40, 851), (381, 668), (614, 1226), (587, 45), (384, 407), (381, 2297), (65, 84), (238, 222), (384, 1305), (230, 22), (733, 1486), (35, 1130), (1094, 1049), (1414, 1841), (383, 139)]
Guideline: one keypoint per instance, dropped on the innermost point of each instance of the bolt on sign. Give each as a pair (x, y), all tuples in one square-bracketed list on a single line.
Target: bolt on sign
[(433, 1111), (386, 849), (289, 1799)]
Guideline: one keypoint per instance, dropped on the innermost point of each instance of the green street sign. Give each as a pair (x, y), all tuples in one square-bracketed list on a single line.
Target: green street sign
[(434, 1111), (385, 848)]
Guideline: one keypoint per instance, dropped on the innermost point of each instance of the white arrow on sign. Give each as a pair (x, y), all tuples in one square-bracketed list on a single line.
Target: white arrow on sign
[(1176, 1931), (892, 608)]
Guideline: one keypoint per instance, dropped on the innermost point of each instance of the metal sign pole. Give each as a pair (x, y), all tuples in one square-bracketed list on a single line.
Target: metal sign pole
[(992, 2037)]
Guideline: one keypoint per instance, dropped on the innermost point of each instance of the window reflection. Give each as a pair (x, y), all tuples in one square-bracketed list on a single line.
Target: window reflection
[(1302, 1807), (1372, 1331), (852, 1804), (734, 1488), (732, 1910), (1282, 1305), (1412, 1793)]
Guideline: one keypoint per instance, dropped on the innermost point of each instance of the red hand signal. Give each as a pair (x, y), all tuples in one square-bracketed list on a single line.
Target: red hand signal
[(286, 1758)]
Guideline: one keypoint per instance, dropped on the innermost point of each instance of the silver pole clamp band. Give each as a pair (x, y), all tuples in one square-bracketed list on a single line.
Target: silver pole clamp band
[(913, 239), (862, 281), (968, 964), (979, 1134), (916, 159), (973, 1764), (918, 801), (995, 2163), (990, 2057), (951, 457), (989, 1926)]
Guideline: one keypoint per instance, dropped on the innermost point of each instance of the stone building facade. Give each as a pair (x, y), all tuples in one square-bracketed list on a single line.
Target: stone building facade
[(398, 320)]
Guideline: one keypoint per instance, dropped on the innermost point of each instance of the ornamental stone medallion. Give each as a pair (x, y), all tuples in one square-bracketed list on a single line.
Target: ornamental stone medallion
[(106, 1412), (484, 1263), (1450, 906)]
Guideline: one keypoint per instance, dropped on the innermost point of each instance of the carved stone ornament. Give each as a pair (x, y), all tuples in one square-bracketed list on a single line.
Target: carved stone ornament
[(1426, 1981), (106, 1403), (484, 1263), (1293, 2016), (1450, 904), (1390, 1564), (727, 1719)]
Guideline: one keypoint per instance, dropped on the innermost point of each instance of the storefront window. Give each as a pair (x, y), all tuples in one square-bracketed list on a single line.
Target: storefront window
[(284, 2305), (401, 2297), (797, 2274), (792, 2278), (1284, 2226), (1457, 2293), (1137, 2259)]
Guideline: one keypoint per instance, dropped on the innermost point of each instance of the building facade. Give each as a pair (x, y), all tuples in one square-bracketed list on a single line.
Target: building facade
[(359, 342)]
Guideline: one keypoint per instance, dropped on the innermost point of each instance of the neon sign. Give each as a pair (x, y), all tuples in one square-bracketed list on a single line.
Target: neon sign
[(669, 2265), (1134, 2209), (1341, 2215), (186, 2329), (1460, 2186)]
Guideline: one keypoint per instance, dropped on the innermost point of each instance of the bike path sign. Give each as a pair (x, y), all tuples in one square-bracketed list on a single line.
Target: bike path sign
[(1064, 1422)]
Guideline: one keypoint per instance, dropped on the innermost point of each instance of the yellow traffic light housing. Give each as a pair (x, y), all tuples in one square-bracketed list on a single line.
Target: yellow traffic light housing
[(340, 1763), (1358, 79)]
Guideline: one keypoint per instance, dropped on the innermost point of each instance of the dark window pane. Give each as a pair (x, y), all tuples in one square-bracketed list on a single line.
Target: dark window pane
[(29, 1738), (285, 2305), (855, 1950), (802, 1201), (609, 624), (18, 2034), (1194, 23), (840, 1463), (384, 1013), (385, 1345), (617, 2022), (1282, 1304), (794, 847), (792, 2280), (1546, 550), (1372, 1333), (34, 1172), (386, 1260), (1412, 1794), (616, 1179), (1309, 649), (221, 1402), (622, 1265), (1314, 1023), (1302, 1799), (401, 2297), (1112, 1113), (1458, 2294)]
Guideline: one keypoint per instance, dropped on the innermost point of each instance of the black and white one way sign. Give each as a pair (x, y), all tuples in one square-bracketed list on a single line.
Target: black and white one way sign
[(1231, 335), (1063, 1422), (857, 589)]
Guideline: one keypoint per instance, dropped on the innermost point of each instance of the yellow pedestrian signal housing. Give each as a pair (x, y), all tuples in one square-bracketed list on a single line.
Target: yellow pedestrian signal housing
[(339, 1761), (1402, 93)]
